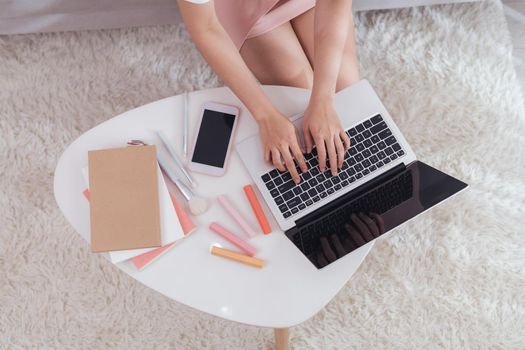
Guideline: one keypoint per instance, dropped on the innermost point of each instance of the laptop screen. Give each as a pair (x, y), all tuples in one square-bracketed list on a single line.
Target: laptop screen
[(366, 216)]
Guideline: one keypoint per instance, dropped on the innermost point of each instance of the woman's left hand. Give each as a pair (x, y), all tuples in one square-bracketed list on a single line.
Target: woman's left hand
[(322, 126)]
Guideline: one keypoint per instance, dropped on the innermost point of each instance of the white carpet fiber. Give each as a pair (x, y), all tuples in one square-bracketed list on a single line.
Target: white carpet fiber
[(453, 278)]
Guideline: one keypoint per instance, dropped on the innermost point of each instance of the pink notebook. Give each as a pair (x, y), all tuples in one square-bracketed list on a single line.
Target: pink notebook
[(143, 260)]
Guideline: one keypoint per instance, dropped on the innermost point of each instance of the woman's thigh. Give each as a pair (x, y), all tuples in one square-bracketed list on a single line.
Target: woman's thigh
[(277, 58), (303, 25)]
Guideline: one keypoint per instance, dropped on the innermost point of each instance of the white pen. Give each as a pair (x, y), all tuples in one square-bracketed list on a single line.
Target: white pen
[(176, 158), (197, 204), (185, 126)]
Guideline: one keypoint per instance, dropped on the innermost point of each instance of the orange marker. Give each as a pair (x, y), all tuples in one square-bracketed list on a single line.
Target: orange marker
[(185, 221), (245, 259), (257, 209)]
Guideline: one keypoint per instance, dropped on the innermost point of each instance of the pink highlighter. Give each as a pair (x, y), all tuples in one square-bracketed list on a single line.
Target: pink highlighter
[(226, 204), (221, 231)]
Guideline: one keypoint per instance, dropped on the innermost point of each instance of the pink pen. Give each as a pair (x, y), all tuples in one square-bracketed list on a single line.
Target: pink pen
[(232, 238), (226, 204)]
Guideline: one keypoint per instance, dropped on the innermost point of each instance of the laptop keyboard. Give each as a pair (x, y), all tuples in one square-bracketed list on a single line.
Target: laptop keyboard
[(372, 147)]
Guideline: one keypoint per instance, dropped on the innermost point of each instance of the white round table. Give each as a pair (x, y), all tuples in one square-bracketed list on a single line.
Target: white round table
[(286, 292)]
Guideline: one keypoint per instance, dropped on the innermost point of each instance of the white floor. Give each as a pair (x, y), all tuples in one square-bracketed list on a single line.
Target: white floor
[(515, 14)]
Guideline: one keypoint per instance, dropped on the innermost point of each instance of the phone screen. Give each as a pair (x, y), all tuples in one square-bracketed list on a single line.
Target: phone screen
[(213, 138)]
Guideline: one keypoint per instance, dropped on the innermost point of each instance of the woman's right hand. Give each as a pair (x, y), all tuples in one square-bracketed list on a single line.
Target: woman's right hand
[(281, 144)]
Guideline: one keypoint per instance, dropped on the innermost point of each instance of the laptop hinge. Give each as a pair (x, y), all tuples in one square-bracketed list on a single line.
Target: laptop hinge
[(347, 197)]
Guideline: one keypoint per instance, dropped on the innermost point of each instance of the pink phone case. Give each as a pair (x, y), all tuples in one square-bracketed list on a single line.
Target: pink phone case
[(208, 169)]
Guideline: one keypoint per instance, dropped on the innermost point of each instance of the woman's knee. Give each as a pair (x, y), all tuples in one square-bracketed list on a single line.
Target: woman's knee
[(298, 75)]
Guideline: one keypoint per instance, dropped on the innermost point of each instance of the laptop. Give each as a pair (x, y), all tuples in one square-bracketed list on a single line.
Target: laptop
[(381, 185)]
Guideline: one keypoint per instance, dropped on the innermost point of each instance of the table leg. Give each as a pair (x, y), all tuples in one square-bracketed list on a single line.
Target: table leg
[(281, 338)]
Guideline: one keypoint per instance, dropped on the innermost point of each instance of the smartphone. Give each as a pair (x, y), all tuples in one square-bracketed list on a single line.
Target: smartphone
[(212, 145)]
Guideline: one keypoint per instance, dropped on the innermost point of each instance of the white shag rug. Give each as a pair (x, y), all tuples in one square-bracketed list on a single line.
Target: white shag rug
[(453, 278)]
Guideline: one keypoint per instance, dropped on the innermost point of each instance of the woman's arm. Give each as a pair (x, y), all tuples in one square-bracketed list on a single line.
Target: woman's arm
[(331, 28), (322, 126), (219, 51), (278, 135)]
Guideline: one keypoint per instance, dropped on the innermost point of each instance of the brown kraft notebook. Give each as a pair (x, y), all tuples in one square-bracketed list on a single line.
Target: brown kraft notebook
[(124, 198)]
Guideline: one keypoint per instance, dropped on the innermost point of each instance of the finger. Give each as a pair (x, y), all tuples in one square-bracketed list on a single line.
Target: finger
[(356, 237), (267, 154), (276, 159), (340, 151), (327, 250), (299, 142), (340, 250), (371, 224), (321, 153), (349, 245), (299, 157), (379, 221), (332, 156), (346, 140), (290, 165), (308, 140), (321, 260), (363, 229)]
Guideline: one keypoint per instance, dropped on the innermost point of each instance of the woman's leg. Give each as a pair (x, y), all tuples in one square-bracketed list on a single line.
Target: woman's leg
[(277, 58), (303, 25)]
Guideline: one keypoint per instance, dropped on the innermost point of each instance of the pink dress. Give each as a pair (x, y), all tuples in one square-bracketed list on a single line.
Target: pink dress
[(244, 19)]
